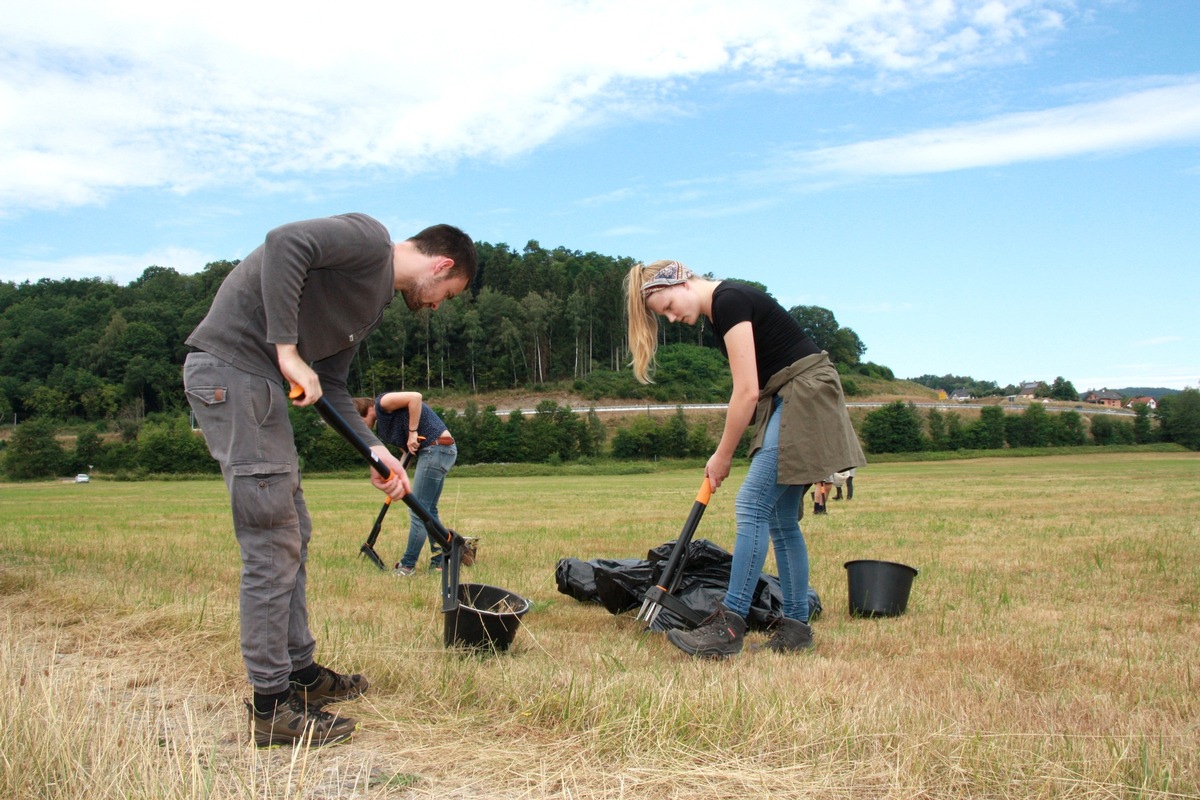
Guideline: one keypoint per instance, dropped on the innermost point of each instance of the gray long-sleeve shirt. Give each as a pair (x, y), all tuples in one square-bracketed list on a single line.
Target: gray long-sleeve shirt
[(320, 284)]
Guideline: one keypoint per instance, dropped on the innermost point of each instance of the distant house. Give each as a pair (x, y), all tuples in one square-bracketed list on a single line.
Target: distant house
[(1103, 398), (961, 395), (1029, 390), (1148, 402)]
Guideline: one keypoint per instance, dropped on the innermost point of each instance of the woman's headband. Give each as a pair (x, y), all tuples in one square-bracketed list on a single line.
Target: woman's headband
[(672, 274)]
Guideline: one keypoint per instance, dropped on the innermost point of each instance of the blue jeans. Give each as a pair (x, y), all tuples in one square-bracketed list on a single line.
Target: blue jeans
[(433, 463), (768, 511)]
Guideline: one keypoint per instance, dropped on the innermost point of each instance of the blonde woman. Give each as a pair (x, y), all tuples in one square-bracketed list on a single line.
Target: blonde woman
[(789, 388)]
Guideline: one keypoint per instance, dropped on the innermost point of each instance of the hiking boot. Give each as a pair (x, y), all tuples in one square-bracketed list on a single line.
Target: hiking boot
[(718, 636), (330, 687), (789, 636), (294, 722)]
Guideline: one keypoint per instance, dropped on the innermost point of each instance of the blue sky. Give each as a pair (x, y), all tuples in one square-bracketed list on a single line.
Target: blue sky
[(1007, 189)]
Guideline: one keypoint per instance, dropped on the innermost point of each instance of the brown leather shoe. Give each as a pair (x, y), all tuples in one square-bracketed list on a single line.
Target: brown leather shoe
[(295, 722), (330, 687), (789, 636)]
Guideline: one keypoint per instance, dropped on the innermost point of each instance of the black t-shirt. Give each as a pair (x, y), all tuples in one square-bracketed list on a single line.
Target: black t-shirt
[(778, 339)]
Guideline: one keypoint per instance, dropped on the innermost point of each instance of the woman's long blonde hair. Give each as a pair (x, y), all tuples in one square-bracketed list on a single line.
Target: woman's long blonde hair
[(643, 323)]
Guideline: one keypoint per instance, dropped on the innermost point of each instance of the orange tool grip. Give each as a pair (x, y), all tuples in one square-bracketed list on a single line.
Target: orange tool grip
[(705, 492)]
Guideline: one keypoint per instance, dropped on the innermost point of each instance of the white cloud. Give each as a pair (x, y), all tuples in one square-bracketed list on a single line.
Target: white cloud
[(103, 97), (121, 269), (1158, 341), (1141, 119)]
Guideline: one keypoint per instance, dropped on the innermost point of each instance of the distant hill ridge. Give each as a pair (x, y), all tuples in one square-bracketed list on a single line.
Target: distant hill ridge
[(1144, 391)]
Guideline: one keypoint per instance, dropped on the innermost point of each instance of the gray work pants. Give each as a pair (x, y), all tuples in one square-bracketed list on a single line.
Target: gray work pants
[(244, 418)]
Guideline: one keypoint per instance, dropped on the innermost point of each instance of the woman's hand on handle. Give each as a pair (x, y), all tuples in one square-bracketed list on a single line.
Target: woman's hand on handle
[(717, 469)]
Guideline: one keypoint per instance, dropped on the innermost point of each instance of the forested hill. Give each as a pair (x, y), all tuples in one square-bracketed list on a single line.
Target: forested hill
[(92, 349)]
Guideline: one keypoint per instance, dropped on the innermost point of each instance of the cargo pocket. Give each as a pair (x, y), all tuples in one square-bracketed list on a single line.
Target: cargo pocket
[(263, 496)]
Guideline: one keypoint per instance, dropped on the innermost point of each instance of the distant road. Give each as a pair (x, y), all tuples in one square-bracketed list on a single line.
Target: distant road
[(651, 408)]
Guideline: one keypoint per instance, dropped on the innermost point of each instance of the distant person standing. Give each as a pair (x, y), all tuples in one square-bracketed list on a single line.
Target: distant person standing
[(820, 495), (403, 420), (844, 478), (293, 313)]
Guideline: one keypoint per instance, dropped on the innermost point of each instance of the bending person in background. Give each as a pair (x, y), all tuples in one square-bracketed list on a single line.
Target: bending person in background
[(785, 383), (403, 420)]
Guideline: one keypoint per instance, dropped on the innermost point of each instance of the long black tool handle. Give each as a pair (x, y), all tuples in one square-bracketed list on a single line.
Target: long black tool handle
[(436, 529), (451, 543), (387, 503), (340, 425), (668, 581)]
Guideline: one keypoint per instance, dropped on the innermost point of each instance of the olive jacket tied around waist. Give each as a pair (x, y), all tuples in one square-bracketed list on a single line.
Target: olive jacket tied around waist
[(816, 438)]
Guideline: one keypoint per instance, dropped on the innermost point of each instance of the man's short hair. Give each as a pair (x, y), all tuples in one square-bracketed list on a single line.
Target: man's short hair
[(449, 241)]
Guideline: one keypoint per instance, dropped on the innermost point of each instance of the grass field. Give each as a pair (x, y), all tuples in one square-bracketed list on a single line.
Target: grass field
[(1051, 646)]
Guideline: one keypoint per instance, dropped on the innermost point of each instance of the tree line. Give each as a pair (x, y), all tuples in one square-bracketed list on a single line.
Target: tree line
[(92, 350), (900, 428), (557, 434)]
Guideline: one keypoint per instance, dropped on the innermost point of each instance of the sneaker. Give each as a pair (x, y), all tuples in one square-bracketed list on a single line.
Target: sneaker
[(789, 636), (294, 722), (402, 571), (718, 636), (435, 567), (330, 687)]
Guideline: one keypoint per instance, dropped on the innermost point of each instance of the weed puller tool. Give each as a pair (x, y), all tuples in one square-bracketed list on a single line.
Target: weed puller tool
[(450, 541), (661, 594), (476, 616), (368, 547)]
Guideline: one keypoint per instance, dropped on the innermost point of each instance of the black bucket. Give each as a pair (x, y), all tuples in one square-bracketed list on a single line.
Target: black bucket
[(486, 617), (878, 588)]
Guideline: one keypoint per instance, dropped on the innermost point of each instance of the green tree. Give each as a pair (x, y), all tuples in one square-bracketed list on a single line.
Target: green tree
[(1142, 432), (1062, 389), (989, 432), (33, 452), (172, 447), (88, 449), (956, 432), (936, 422), (642, 438), (551, 432), (895, 428), (1102, 429), (1181, 418), (47, 402), (1031, 428), (819, 323), (1067, 429)]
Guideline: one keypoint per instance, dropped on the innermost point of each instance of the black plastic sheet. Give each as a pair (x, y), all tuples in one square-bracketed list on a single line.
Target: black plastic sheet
[(620, 585)]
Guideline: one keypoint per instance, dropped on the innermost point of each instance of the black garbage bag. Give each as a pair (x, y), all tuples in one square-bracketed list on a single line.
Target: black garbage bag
[(576, 578), (620, 585)]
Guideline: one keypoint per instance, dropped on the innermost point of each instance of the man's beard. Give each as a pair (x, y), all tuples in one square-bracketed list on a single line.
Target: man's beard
[(414, 293), (410, 300)]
